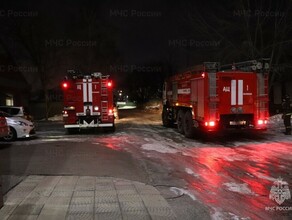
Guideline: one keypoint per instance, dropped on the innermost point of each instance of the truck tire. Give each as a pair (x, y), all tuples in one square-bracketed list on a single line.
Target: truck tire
[(188, 125), (180, 121), (165, 118)]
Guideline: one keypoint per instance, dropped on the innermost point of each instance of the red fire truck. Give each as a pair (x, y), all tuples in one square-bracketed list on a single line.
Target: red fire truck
[(211, 97), (88, 101)]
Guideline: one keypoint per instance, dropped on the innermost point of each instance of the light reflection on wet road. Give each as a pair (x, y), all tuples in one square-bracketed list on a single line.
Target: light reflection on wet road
[(239, 180), (232, 176)]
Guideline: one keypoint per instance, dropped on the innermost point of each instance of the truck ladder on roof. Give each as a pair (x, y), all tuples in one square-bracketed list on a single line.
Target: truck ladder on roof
[(260, 65)]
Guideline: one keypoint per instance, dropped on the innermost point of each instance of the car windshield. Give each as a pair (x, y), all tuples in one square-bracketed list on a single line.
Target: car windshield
[(10, 110), (14, 111)]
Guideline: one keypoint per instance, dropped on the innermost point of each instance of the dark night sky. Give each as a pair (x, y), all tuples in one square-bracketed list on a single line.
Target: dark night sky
[(170, 34)]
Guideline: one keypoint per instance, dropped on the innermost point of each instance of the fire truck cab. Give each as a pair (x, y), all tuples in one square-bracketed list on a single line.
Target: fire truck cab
[(88, 101), (214, 98)]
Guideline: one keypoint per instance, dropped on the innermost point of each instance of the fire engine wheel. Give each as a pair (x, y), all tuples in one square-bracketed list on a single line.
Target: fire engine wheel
[(188, 125), (180, 121), (165, 118)]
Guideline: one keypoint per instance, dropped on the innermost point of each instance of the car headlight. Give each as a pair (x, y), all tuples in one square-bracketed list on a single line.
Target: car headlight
[(21, 123)]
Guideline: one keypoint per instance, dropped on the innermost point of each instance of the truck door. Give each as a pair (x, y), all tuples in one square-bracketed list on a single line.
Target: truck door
[(197, 97)]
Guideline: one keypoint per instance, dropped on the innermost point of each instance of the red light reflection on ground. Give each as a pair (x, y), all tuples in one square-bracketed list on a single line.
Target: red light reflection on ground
[(239, 179), (112, 143), (117, 143)]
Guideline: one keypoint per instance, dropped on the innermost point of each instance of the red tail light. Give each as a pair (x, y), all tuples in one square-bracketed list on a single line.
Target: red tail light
[(65, 85), (110, 111), (210, 123), (262, 122), (109, 84)]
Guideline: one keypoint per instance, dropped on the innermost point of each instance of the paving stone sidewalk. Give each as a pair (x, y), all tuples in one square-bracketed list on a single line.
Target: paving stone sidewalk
[(84, 197)]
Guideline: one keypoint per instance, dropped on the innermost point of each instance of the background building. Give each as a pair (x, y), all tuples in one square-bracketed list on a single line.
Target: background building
[(14, 89)]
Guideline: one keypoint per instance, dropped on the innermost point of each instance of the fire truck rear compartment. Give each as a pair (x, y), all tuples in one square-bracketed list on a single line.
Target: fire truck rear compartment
[(88, 101)]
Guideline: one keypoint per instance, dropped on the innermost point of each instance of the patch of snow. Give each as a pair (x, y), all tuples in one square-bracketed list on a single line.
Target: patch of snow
[(219, 215), (275, 119), (179, 191), (262, 176), (239, 188), (159, 148), (127, 107), (191, 172), (272, 179), (156, 107), (161, 145), (54, 118), (143, 129), (233, 156)]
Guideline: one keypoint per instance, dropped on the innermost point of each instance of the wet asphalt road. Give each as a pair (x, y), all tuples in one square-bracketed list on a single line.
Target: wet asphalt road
[(226, 177)]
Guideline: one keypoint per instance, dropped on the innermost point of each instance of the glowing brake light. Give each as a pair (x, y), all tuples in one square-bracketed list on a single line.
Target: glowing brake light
[(262, 122), (210, 123), (109, 84), (110, 112)]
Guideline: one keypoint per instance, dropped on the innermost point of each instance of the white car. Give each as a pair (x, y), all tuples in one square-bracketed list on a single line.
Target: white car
[(18, 111), (19, 128)]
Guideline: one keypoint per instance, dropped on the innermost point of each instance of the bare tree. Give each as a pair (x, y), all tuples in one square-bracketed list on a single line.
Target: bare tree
[(245, 29), (54, 44)]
